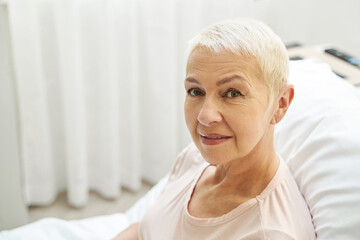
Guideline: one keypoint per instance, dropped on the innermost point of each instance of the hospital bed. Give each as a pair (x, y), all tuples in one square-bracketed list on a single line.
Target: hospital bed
[(319, 138)]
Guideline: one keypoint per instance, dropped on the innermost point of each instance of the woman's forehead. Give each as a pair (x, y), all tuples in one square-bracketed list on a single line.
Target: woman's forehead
[(205, 62)]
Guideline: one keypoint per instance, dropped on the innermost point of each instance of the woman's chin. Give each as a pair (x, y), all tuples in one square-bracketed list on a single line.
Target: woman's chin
[(214, 155)]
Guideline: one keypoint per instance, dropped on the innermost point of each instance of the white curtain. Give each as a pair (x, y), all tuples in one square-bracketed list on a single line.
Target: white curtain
[(100, 90)]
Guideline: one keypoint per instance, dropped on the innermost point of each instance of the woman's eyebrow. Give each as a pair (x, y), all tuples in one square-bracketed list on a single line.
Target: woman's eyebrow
[(221, 82), (191, 80), (231, 78)]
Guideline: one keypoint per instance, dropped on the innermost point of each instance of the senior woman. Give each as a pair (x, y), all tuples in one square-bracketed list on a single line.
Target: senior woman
[(230, 183)]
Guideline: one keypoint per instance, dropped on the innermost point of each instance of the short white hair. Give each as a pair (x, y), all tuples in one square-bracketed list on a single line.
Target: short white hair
[(248, 37)]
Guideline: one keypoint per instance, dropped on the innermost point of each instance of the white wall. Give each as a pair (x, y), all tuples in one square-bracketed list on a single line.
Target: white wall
[(13, 212), (314, 21)]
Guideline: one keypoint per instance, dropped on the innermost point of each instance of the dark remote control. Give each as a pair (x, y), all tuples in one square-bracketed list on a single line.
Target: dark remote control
[(343, 56)]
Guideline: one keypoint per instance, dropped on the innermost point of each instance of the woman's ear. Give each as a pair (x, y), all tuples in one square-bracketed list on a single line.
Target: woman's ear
[(284, 100)]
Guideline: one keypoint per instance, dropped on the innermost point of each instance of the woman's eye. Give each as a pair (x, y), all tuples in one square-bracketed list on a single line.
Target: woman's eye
[(195, 92), (232, 93)]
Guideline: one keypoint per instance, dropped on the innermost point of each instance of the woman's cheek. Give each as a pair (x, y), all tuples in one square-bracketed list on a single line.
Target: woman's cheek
[(190, 112)]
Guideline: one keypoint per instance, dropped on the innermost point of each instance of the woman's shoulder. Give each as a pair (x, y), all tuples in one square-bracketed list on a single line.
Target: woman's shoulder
[(191, 154), (283, 182), (188, 158), (283, 207)]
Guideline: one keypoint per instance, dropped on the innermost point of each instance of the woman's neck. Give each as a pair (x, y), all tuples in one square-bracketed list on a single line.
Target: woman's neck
[(248, 176)]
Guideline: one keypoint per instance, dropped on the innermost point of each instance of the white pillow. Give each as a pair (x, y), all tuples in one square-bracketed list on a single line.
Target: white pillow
[(319, 138)]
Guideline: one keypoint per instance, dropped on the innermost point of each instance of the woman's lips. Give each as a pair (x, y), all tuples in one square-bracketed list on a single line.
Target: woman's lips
[(213, 138)]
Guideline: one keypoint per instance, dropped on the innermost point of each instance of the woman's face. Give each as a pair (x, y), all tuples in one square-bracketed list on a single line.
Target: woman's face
[(227, 109)]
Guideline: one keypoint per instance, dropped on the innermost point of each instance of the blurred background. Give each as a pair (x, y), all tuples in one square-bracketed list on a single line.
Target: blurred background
[(91, 91)]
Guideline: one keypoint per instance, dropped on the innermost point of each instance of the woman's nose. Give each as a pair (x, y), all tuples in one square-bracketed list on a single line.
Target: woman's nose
[(209, 114)]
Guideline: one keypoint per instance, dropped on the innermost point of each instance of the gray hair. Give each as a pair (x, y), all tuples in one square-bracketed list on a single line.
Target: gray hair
[(248, 37)]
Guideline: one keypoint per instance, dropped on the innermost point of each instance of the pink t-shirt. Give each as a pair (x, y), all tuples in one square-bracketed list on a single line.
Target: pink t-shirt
[(278, 213)]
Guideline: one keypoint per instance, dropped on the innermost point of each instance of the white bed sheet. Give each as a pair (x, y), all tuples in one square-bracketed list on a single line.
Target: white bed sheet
[(95, 228)]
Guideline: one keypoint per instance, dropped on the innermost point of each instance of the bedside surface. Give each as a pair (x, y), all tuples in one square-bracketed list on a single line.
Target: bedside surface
[(349, 72)]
